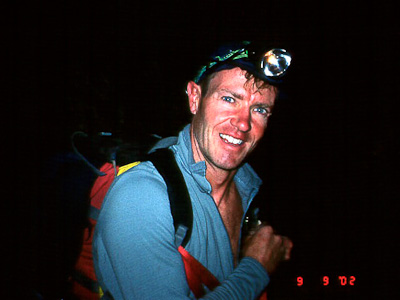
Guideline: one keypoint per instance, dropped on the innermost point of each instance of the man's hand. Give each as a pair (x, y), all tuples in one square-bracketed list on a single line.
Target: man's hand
[(267, 247)]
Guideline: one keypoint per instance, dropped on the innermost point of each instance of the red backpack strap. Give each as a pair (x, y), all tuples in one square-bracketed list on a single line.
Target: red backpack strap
[(197, 275)]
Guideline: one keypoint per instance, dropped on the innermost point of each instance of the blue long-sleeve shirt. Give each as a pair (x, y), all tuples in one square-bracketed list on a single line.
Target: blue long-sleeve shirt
[(134, 248)]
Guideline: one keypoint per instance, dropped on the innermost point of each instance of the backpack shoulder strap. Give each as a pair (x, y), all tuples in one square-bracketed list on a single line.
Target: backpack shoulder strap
[(180, 203), (181, 207)]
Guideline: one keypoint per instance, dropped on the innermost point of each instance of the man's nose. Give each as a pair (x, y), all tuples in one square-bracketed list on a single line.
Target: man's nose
[(242, 121)]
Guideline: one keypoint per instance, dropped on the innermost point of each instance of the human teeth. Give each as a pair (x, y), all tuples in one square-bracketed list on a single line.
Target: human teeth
[(231, 139)]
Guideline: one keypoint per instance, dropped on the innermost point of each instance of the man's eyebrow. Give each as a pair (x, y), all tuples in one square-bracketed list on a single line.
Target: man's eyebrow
[(241, 97), (265, 105), (234, 94)]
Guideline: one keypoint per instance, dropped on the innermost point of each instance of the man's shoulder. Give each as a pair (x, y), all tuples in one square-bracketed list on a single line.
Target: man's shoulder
[(141, 174), (141, 181)]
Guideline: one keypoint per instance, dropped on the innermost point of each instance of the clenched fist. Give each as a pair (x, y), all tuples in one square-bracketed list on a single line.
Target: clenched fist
[(267, 247)]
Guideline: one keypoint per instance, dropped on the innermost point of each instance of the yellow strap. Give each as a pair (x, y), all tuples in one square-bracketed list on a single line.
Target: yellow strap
[(125, 168)]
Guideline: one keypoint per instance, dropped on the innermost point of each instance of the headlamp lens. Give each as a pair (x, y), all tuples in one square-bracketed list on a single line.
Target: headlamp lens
[(275, 62)]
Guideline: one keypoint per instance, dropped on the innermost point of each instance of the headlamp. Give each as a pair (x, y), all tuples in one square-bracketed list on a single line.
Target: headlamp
[(275, 62), (270, 66)]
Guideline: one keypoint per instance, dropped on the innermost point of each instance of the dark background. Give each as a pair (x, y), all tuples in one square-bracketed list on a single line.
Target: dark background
[(328, 160)]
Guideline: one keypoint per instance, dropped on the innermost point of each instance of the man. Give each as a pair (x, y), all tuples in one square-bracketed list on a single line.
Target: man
[(134, 245)]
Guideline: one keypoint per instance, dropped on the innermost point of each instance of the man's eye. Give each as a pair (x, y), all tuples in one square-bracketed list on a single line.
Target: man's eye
[(262, 111), (228, 99)]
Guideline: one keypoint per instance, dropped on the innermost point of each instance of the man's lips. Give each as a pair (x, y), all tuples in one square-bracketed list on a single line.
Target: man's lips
[(230, 139)]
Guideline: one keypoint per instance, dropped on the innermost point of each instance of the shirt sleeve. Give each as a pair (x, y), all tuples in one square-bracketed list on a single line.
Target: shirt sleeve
[(134, 246), (247, 281)]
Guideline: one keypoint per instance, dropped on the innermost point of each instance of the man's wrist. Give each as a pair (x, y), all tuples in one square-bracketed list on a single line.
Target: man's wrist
[(254, 274)]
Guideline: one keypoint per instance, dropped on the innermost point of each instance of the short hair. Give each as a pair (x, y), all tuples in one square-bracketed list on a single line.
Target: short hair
[(259, 83)]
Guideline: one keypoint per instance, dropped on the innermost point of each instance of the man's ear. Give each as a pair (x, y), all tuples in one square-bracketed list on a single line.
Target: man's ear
[(193, 91)]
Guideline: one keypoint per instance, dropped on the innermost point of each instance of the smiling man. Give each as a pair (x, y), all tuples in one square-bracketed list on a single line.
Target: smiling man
[(135, 251), (230, 118)]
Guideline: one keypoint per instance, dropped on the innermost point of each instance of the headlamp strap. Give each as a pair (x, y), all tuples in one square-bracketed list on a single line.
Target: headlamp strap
[(235, 54)]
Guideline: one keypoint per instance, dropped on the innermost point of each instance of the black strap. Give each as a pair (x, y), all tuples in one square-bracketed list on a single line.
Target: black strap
[(181, 206)]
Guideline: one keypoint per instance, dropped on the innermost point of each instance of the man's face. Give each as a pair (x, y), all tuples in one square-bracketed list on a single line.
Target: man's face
[(230, 119)]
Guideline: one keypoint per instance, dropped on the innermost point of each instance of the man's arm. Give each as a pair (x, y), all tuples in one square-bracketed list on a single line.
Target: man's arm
[(134, 252)]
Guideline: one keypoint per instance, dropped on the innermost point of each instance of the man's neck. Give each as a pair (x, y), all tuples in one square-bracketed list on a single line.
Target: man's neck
[(222, 183)]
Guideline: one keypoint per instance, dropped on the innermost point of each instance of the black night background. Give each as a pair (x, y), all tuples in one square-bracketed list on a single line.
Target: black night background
[(328, 160)]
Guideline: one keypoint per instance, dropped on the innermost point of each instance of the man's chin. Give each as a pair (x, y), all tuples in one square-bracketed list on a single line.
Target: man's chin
[(230, 165)]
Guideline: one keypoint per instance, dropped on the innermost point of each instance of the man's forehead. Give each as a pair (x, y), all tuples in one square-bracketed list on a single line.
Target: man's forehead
[(237, 81)]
